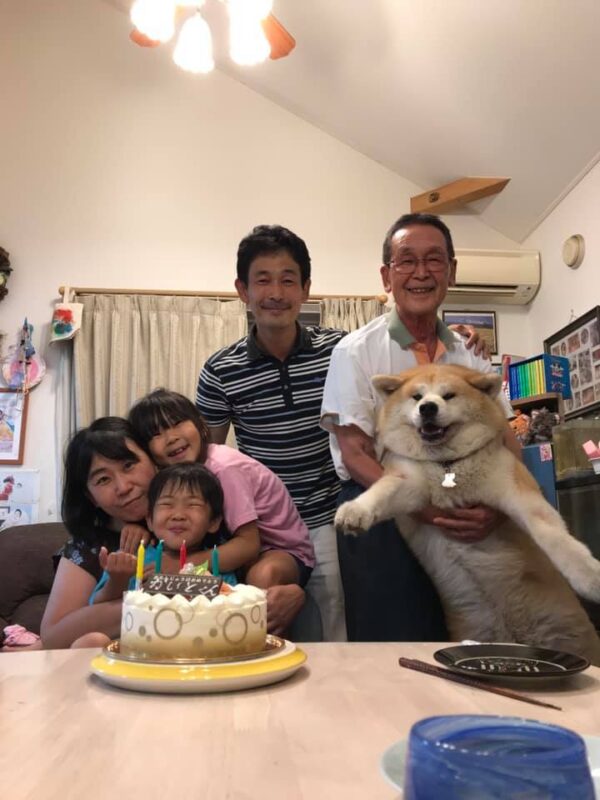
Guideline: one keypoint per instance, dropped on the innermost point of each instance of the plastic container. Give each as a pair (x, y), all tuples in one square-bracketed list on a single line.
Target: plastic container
[(495, 758), (578, 502), (570, 458)]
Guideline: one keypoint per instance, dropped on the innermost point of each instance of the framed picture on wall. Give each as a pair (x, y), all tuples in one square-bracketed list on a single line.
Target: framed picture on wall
[(484, 323), (579, 341), (13, 419)]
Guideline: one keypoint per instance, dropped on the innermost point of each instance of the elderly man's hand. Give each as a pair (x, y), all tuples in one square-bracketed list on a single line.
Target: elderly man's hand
[(463, 524), (283, 603), (474, 340)]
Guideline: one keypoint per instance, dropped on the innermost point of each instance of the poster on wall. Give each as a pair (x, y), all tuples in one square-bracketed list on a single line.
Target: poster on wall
[(19, 497), (484, 323), (13, 418), (579, 341)]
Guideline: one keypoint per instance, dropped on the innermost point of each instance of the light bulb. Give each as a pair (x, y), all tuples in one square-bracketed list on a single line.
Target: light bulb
[(248, 43), (155, 18), (193, 51)]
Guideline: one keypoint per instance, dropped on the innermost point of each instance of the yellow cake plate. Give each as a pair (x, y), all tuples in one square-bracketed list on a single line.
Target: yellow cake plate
[(278, 661)]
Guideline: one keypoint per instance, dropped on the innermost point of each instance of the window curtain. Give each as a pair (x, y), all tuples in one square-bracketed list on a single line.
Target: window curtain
[(131, 344), (349, 313)]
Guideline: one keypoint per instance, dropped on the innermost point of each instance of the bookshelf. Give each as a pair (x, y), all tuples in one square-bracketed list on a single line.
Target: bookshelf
[(551, 400)]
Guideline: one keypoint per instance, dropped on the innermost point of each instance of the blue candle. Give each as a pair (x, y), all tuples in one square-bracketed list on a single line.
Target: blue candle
[(215, 562), (158, 558)]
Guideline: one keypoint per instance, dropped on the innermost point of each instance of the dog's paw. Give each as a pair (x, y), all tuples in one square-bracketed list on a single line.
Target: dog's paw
[(352, 518), (586, 582)]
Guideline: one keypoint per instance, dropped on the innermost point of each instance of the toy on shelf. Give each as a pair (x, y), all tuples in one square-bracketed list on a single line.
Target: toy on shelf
[(592, 451), (541, 424), (520, 426), (535, 427)]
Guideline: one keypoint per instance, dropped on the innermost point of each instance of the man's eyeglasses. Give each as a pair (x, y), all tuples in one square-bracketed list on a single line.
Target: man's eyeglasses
[(434, 262)]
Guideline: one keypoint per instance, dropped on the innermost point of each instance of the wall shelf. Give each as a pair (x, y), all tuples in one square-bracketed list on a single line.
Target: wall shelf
[(553, 400)]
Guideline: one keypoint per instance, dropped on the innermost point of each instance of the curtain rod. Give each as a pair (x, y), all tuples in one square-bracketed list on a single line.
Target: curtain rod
[(382, 298)]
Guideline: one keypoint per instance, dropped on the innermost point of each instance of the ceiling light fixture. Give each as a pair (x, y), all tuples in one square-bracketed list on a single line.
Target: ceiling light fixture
[(154, 18), (193, 51), (254, 34), (248, 43)]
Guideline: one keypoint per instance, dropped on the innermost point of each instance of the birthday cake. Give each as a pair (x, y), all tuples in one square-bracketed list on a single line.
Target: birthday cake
[(178, 616)]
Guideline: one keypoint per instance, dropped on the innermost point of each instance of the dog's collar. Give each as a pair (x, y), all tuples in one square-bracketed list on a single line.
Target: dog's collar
[(447, 464)]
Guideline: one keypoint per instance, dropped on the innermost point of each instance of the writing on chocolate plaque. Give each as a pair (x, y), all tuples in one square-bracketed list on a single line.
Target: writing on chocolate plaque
[(188, 585)]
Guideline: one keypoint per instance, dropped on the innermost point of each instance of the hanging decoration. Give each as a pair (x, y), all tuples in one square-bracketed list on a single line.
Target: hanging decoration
[(66, 318), (23, 368)]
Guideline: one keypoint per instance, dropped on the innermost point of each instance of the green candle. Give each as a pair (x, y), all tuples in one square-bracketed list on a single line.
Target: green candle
[(158, 559), (215, 562)]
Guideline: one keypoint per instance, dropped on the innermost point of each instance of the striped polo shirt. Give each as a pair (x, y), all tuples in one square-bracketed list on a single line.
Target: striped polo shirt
[(275, 408)]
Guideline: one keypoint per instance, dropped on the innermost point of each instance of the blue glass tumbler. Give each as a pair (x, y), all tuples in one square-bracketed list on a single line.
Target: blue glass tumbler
[(482, 757)]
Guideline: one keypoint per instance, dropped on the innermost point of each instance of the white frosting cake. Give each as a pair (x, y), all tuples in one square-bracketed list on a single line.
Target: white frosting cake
[(156, 626)]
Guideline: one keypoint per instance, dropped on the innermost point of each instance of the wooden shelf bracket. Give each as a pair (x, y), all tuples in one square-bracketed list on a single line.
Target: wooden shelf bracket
[(456, 194)]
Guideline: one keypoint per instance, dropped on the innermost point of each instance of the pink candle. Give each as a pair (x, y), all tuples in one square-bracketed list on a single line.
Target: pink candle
[(182, 555)]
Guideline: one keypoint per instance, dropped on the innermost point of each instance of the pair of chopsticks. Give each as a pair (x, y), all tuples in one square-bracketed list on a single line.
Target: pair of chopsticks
[(466, 680)]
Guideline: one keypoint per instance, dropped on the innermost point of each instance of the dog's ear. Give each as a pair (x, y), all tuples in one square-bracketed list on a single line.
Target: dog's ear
[(486, 382), (387, 384)]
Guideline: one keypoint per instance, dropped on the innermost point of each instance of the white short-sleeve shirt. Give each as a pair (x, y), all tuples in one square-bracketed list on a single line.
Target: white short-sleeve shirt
[(349, 397)]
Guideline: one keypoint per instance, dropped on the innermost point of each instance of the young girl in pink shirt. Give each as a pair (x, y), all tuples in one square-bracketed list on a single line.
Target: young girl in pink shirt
[(174, 431)]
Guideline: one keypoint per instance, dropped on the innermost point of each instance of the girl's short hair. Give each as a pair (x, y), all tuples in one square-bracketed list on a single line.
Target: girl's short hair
[(192, 477), (107, 437), (162, 409)]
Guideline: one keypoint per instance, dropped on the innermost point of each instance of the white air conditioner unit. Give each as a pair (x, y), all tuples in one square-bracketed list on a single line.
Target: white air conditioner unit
[(496, 276)]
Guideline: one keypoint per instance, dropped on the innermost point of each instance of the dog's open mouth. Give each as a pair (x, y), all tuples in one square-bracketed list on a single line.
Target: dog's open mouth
[(431, 433)]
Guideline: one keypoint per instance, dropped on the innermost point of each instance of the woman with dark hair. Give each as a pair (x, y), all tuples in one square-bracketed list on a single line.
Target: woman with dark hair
[(104, 505)]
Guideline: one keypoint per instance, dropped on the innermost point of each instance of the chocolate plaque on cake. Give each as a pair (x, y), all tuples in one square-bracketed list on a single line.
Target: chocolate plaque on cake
[(187, 585)]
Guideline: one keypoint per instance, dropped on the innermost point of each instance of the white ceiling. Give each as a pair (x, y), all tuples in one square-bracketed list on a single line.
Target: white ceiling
[(440, 89)]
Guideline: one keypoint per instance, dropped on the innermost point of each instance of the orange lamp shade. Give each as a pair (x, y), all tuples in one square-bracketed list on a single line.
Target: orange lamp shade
[(141, 39), (282, 43)]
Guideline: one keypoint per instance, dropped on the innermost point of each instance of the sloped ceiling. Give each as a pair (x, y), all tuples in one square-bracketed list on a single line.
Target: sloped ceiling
[(440, 89)]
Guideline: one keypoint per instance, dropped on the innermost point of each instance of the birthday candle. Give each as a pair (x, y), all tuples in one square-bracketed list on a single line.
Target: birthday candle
[(182, 555), (139, 571), (158, 558), (215, 561)]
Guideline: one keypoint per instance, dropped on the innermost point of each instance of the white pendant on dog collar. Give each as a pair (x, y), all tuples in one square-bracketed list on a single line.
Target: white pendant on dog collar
[(449, 482)]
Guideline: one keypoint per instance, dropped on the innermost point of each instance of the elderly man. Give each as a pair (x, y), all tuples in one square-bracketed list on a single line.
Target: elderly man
[(388, 595)]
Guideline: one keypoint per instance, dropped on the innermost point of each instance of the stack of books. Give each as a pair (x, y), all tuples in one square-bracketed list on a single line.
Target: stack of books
[(539, 375)]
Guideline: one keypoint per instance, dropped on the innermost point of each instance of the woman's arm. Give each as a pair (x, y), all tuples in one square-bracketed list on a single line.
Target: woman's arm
[(68, 615), (121, 568)]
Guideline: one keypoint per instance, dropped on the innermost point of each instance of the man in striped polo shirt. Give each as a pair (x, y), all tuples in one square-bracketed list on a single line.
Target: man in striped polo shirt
[(269, 384)]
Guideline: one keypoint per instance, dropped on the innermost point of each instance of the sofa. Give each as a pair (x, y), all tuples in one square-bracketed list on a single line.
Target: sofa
[(27, 572)]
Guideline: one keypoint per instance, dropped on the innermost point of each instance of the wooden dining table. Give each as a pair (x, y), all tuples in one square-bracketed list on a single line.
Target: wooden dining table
[(64, 733)]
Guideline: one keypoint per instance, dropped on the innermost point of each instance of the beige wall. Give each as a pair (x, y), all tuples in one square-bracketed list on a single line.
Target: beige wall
[(567, 293), (119, 170)]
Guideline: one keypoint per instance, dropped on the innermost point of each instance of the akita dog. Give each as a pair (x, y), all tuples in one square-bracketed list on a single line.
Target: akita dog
[(441, 433)]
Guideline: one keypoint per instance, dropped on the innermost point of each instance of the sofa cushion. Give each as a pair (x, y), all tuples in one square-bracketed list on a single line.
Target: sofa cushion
[(27, 571)]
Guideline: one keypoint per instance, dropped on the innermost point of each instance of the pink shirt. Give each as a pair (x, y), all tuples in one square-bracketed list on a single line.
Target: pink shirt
[(255, 494)]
